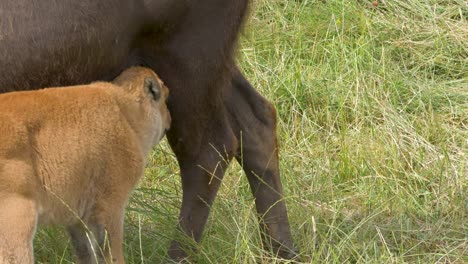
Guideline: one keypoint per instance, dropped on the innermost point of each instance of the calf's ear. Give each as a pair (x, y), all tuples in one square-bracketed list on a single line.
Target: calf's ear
[(153, 88)]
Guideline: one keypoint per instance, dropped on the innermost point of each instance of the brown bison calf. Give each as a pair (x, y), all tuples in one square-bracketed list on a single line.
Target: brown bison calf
[(72, 156)]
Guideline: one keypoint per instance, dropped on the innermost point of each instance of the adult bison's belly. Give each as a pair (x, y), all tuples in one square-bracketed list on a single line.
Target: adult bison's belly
[(56, 43)]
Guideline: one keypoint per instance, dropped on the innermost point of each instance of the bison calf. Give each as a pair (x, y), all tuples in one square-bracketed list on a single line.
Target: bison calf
[(72, 156)]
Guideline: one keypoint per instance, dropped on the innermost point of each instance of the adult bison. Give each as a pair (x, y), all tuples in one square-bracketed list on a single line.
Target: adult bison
[(190, 44)]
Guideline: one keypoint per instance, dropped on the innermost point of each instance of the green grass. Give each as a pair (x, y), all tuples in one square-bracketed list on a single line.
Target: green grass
[(373, 116)]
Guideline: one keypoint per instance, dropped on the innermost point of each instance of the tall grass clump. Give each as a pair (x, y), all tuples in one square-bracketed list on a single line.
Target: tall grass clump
[(372, 98)]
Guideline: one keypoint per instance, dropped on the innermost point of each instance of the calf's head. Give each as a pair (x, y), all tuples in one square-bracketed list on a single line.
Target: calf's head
[(144, 86)]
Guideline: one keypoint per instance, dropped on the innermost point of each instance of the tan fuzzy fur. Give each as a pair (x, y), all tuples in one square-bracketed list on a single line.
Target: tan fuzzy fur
[(71, 156)]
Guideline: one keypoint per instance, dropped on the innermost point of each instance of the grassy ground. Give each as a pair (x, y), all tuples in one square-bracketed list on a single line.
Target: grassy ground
[(373, 114)]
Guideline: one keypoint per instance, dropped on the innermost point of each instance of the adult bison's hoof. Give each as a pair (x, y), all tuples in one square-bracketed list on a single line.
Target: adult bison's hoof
[(288, 253)]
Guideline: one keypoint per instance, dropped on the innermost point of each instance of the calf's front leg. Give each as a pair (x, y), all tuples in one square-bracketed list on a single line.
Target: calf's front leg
[(18, 220)]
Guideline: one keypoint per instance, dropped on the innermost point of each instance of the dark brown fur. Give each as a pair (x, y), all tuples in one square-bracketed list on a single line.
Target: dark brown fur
[(190, 44)]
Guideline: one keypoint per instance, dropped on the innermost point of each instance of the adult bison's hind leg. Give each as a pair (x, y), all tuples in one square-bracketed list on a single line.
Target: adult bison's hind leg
[(242, 126), (254, 119), (202, 170)]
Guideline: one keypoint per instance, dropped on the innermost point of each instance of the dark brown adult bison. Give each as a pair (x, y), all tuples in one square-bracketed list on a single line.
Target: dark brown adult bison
[(190, 44)]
